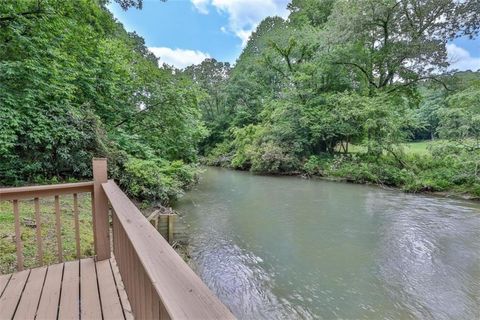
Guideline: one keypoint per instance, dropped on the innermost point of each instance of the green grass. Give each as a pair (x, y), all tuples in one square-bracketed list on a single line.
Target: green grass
[(355, 148), (420, 147), (28, 233)]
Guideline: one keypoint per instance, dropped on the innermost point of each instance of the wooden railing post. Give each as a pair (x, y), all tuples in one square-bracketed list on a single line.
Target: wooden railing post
[(100, 210)]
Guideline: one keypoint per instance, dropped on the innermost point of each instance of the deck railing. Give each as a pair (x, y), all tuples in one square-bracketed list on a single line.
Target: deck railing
[(159, 284), (36, 193)]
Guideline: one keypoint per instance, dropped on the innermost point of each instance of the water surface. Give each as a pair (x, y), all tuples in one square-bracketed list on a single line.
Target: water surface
[(291, 248)]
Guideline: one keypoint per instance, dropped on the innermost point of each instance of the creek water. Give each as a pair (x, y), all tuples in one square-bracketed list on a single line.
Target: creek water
[(292, 248)]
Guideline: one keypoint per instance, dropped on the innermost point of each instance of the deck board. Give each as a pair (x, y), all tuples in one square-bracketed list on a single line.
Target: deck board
[(48, 306), (111, 306), (27, 308), (12, 294), (89, 291), (3, 282), (127, 309), (70, 297), (72, 290)]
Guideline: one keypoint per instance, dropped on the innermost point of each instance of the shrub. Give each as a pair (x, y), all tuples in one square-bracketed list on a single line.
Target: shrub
[(245, 141), (156, 179), (221, 155), (271, 158), (317, 165)]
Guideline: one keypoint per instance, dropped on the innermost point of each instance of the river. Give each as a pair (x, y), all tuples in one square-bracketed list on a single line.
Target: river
[(292, 248)]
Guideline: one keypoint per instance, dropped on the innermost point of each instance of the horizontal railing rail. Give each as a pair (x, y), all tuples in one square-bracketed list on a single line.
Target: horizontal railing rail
[(159, 284), (32, 192), (36, 193)]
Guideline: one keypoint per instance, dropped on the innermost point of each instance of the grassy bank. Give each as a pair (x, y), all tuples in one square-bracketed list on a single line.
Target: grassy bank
[(28, 227), (416, 167), (418, 147), (418, 174), (427, 166)]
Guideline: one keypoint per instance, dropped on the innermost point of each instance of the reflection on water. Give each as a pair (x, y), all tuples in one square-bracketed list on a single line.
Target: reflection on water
[(288, 248)]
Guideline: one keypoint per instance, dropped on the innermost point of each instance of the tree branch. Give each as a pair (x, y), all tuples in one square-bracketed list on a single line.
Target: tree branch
[(444, 85), (370, 80)]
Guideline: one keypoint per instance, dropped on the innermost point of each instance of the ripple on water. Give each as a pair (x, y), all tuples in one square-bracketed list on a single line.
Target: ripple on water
[(428, 257), (286, 248)]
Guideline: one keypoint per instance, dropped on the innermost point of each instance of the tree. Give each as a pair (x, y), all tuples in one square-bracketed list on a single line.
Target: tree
[(211, 75), (310, 12), (75, 85), (397, 42), (461, 120), (126, 4)]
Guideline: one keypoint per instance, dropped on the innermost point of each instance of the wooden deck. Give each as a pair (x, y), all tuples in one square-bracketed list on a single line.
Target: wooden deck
[(158, 283), (82, 289)]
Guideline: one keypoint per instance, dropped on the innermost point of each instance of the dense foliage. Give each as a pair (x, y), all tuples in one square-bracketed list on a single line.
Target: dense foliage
[(75, 85), (339, 87)]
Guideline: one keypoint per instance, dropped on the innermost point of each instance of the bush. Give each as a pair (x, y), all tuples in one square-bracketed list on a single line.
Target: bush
[(221, 155), (317, 165), (271, 158), (245, 143), (156, 179)]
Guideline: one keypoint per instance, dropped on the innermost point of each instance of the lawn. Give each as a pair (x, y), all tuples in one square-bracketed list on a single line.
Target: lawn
[(420, 147), (28, 231)]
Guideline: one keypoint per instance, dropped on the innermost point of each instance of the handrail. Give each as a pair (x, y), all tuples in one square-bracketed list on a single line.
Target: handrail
[(32, 192), (15, 194), (158, 282), (100, 211)]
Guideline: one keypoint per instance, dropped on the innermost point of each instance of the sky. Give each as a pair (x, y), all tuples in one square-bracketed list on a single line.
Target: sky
[(185, 32)]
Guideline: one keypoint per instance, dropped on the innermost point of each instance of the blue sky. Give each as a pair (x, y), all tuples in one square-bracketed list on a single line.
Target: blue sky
[(184, 32)]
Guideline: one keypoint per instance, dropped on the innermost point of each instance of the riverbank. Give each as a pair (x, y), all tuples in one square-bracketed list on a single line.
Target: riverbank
[(449, 168), (415, 175), (442, 194), (180, 231)]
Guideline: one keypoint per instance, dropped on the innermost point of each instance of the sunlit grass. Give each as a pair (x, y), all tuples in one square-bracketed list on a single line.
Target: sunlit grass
[(418, 147)]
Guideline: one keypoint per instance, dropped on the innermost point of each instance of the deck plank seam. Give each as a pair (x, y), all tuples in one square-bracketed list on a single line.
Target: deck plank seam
[(41, 292), (8, 282), (60, 294), (21, 294), (98, 289), (116, 288), (79, 290)]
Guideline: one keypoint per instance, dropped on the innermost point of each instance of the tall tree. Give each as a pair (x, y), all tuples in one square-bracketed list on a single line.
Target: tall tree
[(211, 75), (398, 42), (74, 85)]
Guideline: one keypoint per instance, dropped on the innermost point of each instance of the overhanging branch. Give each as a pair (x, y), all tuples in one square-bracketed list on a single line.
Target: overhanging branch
[(435, 79)]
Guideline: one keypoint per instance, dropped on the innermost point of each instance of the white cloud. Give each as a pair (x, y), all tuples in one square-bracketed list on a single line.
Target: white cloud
[(179, 58), (244, 15), (461, 59), (201, 5)]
